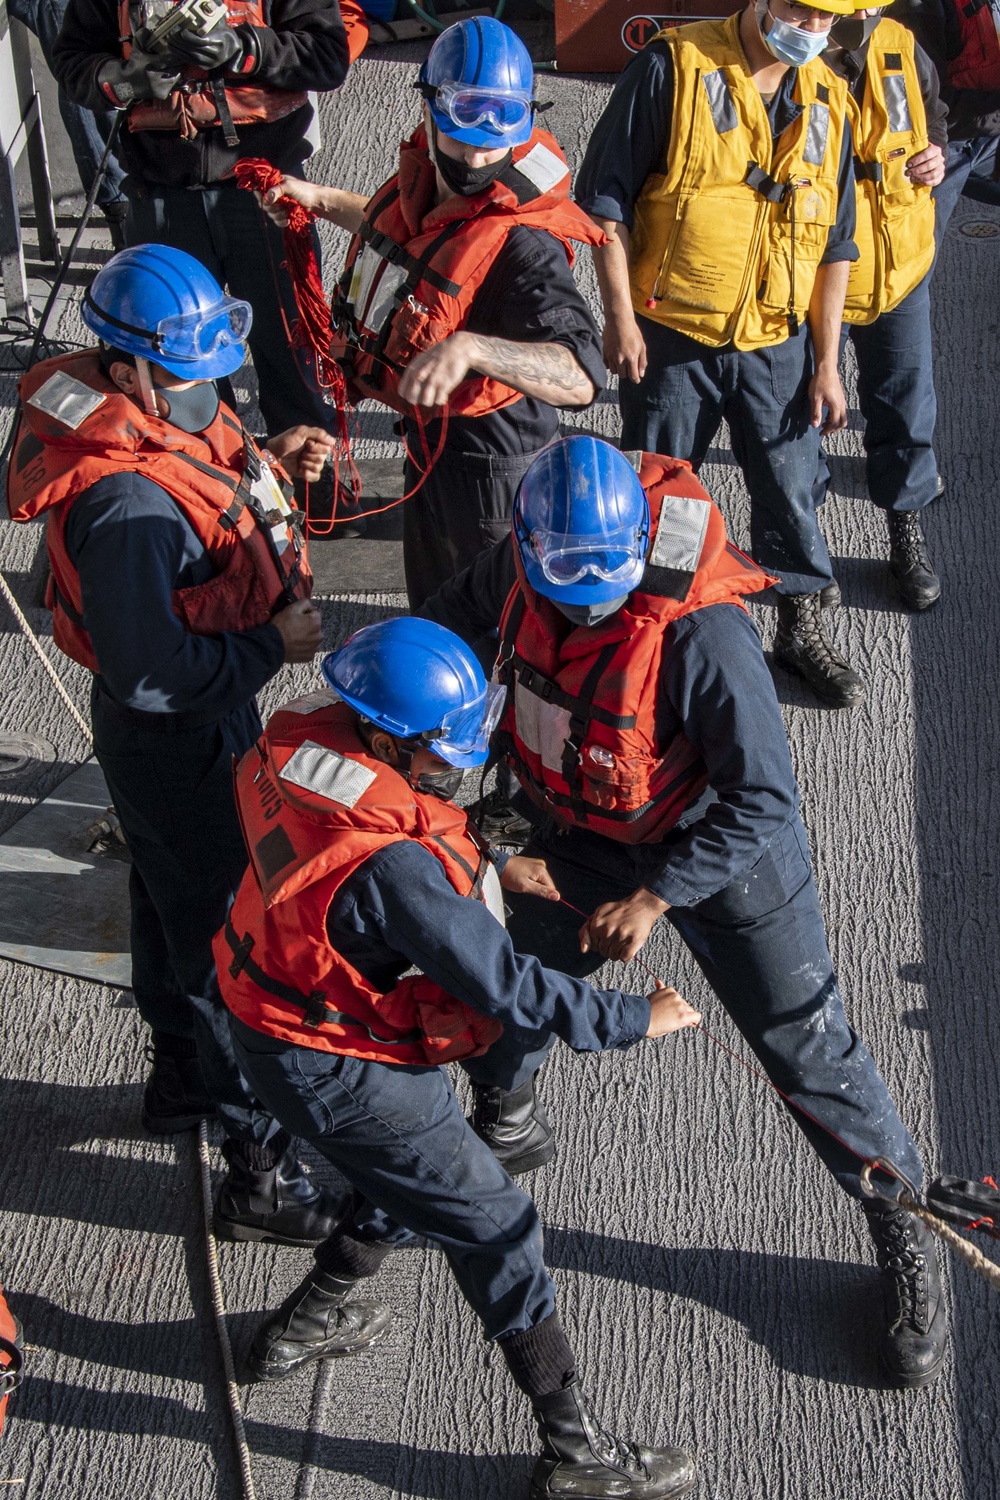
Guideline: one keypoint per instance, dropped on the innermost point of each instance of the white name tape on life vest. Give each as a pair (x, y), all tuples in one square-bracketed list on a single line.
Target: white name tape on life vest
[(542, 167), (327, 773), (680, 534), (66, 399)]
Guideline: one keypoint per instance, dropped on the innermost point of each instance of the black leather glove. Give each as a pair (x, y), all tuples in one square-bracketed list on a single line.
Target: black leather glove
[(146, 75), (221, 48)]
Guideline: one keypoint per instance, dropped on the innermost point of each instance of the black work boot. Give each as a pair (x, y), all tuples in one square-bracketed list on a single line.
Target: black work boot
[(279, 1204), (913, 1346), (175, 1097), (499, 823), (909, 561), (316, 1322), (829, 597), (801, 645), (514, 1126), (581, 1459)]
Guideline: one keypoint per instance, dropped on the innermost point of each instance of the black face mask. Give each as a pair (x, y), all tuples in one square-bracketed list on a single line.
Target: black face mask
[(193, 409), (852, 33), (466, 180), (444, 783), (590, 614)]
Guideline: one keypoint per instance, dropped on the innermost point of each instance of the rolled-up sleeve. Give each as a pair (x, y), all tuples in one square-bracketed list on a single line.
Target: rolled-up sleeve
[(630, 139)]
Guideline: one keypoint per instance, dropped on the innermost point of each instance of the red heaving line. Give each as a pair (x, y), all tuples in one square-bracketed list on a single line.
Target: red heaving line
[(314, 331)]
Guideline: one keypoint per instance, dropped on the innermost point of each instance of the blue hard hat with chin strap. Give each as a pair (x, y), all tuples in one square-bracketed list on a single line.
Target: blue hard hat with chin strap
[(581, 522), (161, 304), (418, 681), (479, 81)]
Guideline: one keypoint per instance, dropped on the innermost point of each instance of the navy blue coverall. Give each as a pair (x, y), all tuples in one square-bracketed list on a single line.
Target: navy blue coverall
[(170, 710), (688, 386), (735, 871), (398, 1134)]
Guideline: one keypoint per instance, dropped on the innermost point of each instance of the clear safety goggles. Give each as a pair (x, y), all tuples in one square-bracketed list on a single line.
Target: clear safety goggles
[(195, 335), (465, 729), (609, 557), (469, 107)]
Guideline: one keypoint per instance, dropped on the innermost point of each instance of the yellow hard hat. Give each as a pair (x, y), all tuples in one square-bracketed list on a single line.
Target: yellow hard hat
[(833, 7)]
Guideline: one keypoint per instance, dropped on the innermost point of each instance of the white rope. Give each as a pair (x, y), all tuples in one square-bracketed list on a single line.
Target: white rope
[(37, 646), (219, 1309)]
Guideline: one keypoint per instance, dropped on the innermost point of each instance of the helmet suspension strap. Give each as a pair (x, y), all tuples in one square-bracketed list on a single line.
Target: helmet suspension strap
[(146, 390)]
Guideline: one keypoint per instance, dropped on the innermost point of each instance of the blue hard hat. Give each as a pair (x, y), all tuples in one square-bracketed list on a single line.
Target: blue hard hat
[(418, 681), (479, 81), (581, 522), (162, 304)]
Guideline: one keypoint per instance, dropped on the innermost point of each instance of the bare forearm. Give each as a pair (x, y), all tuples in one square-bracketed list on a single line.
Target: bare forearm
[(826, 311), (611, 265), (548, 372), (343, 209)]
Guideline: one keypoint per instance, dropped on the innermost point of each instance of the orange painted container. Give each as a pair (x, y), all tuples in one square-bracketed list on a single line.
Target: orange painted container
[(602, 36)]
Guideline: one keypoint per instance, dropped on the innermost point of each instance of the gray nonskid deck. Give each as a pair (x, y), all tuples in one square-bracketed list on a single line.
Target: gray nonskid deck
[(716, 1283)]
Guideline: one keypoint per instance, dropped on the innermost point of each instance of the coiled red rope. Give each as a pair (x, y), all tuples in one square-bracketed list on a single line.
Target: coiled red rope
[(313, 330)]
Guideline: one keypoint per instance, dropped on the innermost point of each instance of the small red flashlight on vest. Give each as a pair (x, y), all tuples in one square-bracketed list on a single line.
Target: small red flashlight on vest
[(652, 301)]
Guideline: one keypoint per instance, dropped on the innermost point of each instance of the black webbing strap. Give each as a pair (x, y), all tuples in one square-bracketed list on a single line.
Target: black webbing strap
[(764, 184), (867, 171), (571, 767), (550, 692), (417, 267), (225, 113), (69, 610), (478, 875), (316, 1012)]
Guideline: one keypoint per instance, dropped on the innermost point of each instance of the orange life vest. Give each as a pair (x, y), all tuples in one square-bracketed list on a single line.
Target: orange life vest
[(977, 66), (11, 1358), (202, 102), (76, 427), (414, 268), (314, 805), (579, 725)]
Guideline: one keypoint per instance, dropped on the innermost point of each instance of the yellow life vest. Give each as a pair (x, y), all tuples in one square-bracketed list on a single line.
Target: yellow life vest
[(895, 229), (728, 237)]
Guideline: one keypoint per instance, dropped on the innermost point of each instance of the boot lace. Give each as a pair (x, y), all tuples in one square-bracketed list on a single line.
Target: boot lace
[(808, 627), (908, 541), (907, 1266)]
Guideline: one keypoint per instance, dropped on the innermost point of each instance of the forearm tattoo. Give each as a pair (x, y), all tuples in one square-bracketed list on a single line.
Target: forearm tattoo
[(532, 367)]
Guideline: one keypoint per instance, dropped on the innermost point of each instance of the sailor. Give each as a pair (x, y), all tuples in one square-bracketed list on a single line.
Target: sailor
[(900, 138), (458, 305), (643, 728), (362, 867), (178, 580), (736, 123), (192, 107)]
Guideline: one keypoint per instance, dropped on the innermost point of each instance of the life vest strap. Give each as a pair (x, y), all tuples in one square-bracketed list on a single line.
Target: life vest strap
[(764, 184), (317, 1013), (867, 171), (418, 267)]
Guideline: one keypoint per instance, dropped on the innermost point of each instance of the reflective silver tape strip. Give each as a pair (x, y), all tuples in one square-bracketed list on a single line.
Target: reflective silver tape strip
[(816, 134), (897, 105), (327, 773), (310, 703), (542, 167), (680, 534), (634, 456), (66, 399), (373, 289), (720, 101)]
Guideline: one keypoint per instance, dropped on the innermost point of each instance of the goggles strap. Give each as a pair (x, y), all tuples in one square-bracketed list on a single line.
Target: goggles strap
[(146, 389)]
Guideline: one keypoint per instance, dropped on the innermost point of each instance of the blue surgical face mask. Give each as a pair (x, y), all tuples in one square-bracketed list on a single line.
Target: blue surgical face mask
[(789, 44), (590, 614)]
